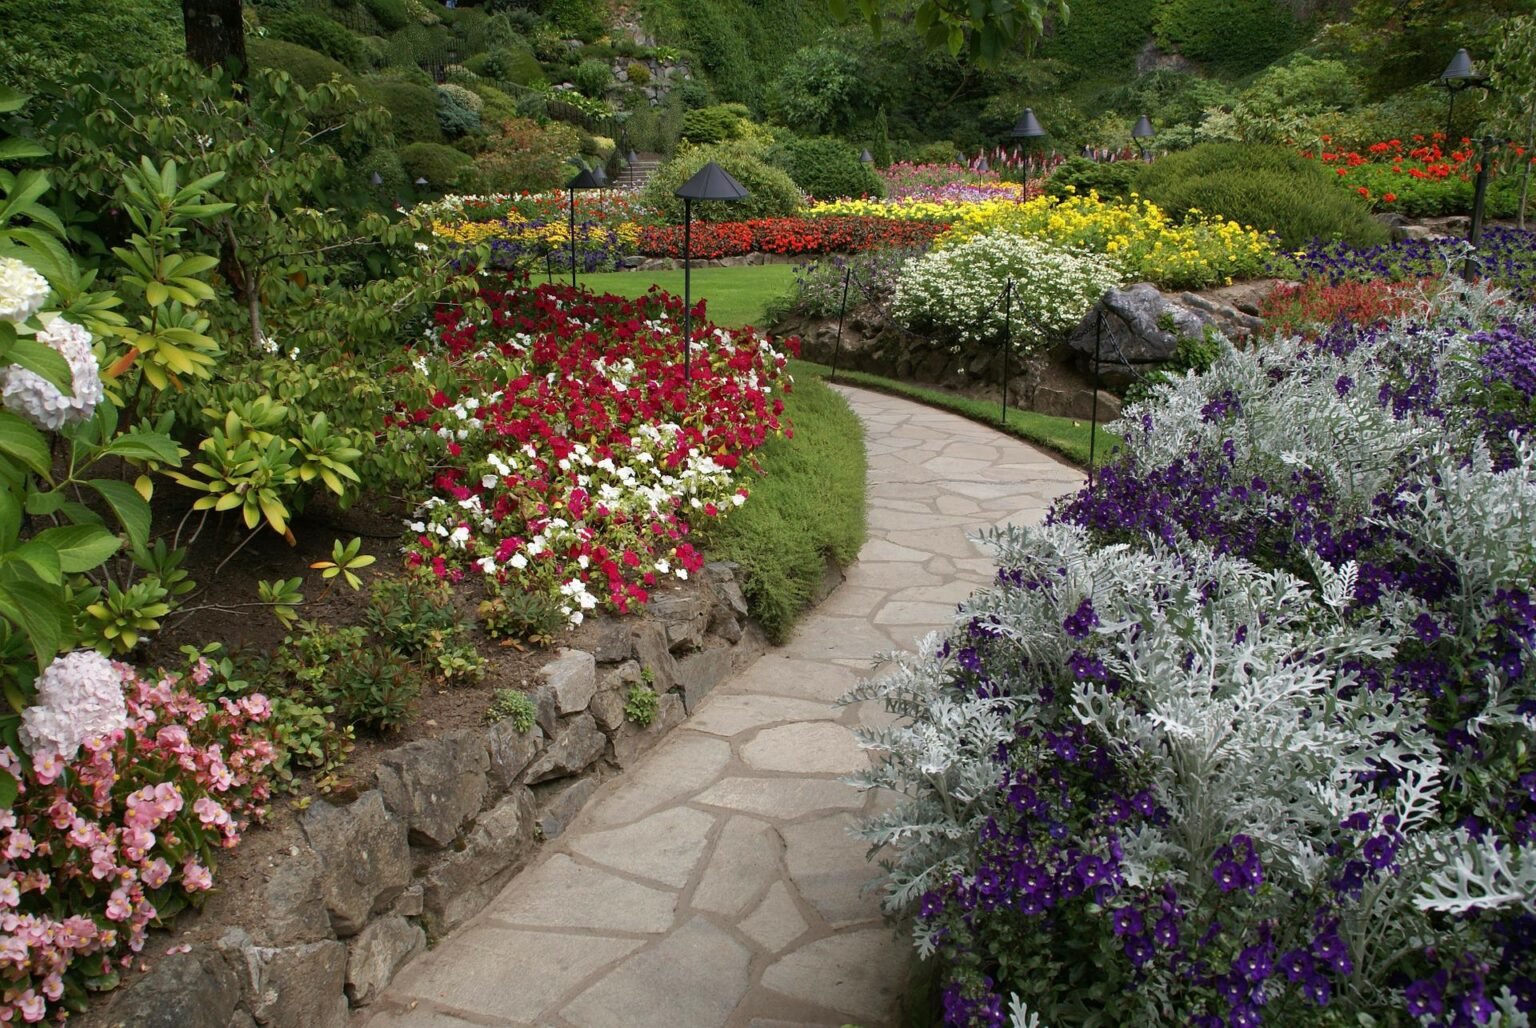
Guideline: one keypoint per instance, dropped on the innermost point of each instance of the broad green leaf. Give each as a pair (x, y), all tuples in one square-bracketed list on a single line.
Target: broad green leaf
[(8, 789), (45, 361), (19, 149), (138, 445), (38, 610), (10, 517), (80, 547), (11, 100), (37, 557), (131, 509), (42, 503), (21, 442)]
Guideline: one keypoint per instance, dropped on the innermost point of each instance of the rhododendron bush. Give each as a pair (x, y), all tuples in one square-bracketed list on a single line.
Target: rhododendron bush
[(580, 457), (1243, 735), (125, 789)]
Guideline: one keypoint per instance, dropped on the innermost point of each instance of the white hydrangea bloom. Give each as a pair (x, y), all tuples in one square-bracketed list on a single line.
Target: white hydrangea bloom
[(22, 290), (79, 696), (36, 399)]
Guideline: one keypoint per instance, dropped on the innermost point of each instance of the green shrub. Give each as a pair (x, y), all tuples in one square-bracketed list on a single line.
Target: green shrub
[(413, 110), (826, 168), (1080, 175), (43, 37), (1269, 187), (511, 705), (392, 15), (320, 34), (639, 74), (442, 166), (308, 68), (386, 164), (496, 106), (1101, 34), (592, 77), (508, 64), (521, 155), (719, 123), (641, 704), (941, 151), (1232, 36), (458, 111), (820, 89), (772, 193), (584, 19)]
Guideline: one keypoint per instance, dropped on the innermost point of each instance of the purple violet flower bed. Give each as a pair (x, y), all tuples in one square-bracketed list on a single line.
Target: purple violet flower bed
[(1243, 735), (1506, 256)]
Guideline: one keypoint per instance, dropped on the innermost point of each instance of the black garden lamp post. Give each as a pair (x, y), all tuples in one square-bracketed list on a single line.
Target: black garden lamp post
[(1140, 132), (1028, 127), (711, 183), (583, 180), (1479, 196), (1457, 76), (866, 158)]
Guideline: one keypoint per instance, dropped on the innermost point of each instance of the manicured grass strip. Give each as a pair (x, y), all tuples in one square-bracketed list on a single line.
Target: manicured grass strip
[(735, 296), (1067, 436), (808, 504)]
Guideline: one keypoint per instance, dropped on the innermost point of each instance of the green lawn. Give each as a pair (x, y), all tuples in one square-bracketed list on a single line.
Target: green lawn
[(1069, 437), (735, 296)]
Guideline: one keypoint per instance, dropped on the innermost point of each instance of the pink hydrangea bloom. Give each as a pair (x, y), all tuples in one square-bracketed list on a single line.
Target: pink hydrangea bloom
[(39, 400), (79, 695)]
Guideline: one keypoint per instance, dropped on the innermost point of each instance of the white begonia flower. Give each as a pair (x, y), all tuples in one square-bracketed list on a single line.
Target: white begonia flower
[(518, 561), (37, 399), (22, 290), (79, 697), (488, 481)]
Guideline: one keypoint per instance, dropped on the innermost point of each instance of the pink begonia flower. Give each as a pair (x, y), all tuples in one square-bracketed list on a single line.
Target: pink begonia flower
[(209, 812), (13, 951), (32, 1006), (19, 845), (118, 908), (156, 874), (195, 877), (10, 895), (53, 986), (79, 695), (46, 767)]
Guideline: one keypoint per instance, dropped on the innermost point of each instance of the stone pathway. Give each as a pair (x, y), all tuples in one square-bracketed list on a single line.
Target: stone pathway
[(715, 883)]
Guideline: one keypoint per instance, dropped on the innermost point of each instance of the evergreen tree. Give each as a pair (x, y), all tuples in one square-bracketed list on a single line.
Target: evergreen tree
[(881, 151)]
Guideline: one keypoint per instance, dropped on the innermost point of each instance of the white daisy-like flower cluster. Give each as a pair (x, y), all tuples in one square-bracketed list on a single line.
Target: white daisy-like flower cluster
[(22, 290), (79, 697), (39, 400)]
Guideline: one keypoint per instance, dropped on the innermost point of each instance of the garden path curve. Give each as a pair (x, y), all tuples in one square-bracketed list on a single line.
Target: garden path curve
[(715, 882)]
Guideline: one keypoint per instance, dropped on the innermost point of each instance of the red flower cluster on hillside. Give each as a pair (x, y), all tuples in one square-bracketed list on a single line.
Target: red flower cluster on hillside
[(1312, 307), (711, 240), (578, 454)]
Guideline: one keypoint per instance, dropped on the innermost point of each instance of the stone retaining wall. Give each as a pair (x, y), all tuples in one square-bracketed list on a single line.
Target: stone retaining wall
[(449, 822)]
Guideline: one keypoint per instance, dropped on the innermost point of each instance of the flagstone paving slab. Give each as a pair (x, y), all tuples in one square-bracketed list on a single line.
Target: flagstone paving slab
[(817, 748), (695, 976), (664, 847), (716, 883)]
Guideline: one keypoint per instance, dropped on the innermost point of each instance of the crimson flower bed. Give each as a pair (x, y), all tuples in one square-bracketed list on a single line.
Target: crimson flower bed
[(578, 458), (712, 240)]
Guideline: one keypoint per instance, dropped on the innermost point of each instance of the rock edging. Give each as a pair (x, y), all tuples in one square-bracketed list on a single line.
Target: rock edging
[(447, 825)]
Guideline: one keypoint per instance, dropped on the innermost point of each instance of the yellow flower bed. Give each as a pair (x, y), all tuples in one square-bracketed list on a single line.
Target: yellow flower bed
[(555, 233), (896, 210), (1142, 240)]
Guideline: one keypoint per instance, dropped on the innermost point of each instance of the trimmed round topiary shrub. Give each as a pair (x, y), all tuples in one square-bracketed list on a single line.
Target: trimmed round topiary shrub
[(639, 73), (1080, 176), (773, 194), (458, 111), (826, 168), (391, 14), (306, 67), (320, 34), (1268, 187), (413, 110), (592, 77), (442, 166), (719, 123)]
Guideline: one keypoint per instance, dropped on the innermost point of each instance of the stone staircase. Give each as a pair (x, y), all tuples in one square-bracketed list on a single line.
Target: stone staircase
[(638, 174)]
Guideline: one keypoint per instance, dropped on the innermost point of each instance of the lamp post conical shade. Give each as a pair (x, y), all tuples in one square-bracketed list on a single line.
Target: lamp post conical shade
[(1460, 69), (712, 182), (866, 157), (1028, 126), (1142, 129)]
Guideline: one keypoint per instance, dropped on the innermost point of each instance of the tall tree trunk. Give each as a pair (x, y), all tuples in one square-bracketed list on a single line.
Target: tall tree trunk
[(215, 31)]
